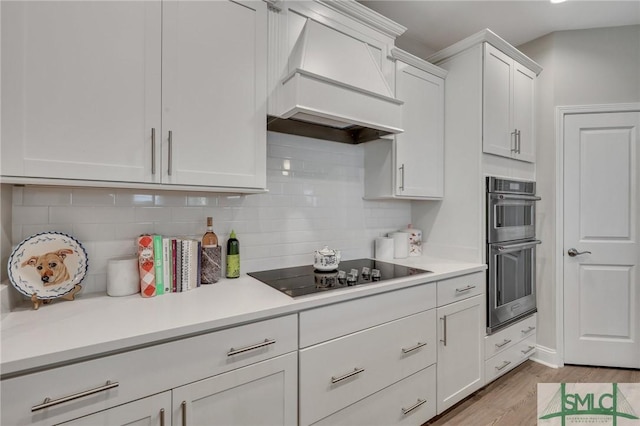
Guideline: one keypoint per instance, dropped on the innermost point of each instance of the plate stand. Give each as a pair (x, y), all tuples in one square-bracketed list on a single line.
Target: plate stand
[(69, 296)]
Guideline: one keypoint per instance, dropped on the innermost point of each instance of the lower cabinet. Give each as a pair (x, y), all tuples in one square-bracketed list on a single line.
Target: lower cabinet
[(410, 401), (153, 410), (260, 394), (509, 347), (460, 350), (346, 370), (236, 376)]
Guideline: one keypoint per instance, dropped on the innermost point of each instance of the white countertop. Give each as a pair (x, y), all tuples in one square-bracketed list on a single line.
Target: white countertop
[(92, 325)]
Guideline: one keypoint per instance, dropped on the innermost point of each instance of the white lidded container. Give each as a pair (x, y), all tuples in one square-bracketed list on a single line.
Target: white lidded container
[(415, 240)]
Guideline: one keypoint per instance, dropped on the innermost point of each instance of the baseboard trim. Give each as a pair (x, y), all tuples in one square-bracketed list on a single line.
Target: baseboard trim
[(547, 356)]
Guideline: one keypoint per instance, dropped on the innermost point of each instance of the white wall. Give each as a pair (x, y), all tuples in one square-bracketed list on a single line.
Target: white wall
[(315, 198), (594, 66)]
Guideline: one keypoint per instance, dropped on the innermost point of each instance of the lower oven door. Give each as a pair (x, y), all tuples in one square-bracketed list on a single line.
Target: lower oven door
[(511, 283)]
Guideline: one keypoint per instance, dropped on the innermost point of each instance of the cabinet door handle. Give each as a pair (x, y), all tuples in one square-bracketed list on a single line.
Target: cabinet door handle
[(514, 139), (48, 402), (153, 150), (503, 366), (266, 342), (444, 331), (162, 417), (467, 288), (505, 342), (346, 376), (183, 407), (529, 349), (531, 328), (413, 348), (518, 134), (402, 177), (170, 152), (406, 411)]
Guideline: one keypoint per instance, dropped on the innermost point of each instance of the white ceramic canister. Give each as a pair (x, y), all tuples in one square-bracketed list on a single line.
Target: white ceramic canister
[(400, 244), (123, 276), (415, 240)]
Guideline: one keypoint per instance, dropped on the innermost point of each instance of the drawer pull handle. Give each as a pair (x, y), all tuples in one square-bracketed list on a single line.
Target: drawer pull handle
[(529, 349), (503, 366), (346, 376), (506, 342), (467, 288), (528, 330), (48, 402), (406, 411), (266, 342), (413, 348)]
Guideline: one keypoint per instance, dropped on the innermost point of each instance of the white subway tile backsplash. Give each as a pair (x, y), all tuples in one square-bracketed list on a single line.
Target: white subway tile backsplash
[(93, 197), (30, 215), (134, 198), (152, 214), (44, 196), (319, 202)]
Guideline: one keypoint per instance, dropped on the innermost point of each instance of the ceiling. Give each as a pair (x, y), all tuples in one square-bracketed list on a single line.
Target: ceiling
[(433, 25)]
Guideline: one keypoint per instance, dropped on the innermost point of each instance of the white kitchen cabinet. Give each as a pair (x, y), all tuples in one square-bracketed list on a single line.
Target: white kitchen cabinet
[(508, 105), (259, 394), (460, 370), (509, 347), (412, 165), (140, 94), (153, 411), (407, 402), (86, 388), (353, 350)]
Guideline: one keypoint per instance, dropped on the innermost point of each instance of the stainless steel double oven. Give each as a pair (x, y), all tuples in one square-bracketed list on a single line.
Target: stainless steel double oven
[(511, 251)]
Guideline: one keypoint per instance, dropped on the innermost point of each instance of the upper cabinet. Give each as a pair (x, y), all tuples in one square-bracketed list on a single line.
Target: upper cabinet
[(136, 94), (508, 128), (412, 165), (503, 100)]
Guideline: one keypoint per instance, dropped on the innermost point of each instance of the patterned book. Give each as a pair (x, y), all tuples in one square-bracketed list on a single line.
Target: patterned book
[(146, 267)]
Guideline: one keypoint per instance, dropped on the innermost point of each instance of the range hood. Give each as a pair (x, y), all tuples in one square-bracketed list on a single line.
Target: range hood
[(334, 90)]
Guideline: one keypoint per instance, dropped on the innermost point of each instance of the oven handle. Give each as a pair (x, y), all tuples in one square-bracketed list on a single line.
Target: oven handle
[(508, 248), (498, 196)]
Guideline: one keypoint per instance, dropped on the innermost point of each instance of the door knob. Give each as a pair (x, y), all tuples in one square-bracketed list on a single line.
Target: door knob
[(573, 252)]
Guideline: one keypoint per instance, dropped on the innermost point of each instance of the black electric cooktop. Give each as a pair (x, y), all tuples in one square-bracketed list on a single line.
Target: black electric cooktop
[(304, 280)]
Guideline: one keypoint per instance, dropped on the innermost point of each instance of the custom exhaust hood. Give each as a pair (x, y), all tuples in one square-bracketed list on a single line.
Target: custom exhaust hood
[(334, 90)]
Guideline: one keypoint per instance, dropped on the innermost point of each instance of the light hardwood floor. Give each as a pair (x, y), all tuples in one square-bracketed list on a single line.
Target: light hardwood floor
[(512, 399)]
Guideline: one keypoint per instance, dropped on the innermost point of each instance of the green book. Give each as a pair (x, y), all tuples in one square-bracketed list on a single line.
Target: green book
[(157, 262)]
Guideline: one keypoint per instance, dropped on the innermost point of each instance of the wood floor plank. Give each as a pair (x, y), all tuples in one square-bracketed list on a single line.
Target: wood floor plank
[(512, 399)]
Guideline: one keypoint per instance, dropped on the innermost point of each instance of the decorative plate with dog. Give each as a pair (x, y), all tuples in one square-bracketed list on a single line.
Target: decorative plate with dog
[(47, 265)]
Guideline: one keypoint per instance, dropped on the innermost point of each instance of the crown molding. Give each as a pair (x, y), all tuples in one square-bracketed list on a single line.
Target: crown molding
[(365, 15), (493, 39), (408, 58)]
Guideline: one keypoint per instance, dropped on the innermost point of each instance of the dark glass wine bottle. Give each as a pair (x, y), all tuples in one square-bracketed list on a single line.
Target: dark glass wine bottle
[(233, 256)]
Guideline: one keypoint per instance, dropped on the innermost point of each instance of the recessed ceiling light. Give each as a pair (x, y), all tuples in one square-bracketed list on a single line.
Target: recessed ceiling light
[(557, 1)]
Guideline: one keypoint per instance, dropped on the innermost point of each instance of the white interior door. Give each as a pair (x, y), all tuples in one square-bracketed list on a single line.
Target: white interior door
[(601, 290)]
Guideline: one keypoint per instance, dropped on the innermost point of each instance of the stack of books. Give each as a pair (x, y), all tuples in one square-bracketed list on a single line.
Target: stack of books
[(176, 264)]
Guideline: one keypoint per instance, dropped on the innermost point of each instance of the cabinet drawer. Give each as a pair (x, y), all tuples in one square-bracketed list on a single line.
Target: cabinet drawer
[(460, 288), (328, 322), (342, 371), (141, 372), (509, 358), (509, 336), (399, 404)]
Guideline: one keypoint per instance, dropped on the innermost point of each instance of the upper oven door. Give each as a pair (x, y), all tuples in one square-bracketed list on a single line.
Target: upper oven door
[(510, 217)]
